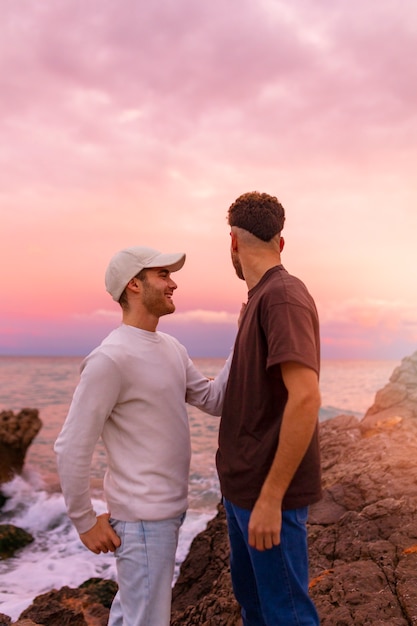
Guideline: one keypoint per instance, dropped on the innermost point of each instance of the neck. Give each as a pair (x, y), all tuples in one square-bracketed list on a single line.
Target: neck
[(255, 257), (254, 269), (140, 319)]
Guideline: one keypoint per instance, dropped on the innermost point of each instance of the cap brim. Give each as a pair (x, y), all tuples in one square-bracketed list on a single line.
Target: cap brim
[(173, 262)]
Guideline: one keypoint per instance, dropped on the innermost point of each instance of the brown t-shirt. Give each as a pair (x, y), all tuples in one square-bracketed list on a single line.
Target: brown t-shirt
[(280, 324)]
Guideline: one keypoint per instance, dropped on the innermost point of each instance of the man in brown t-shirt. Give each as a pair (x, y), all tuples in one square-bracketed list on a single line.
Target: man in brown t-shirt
[(268, 458)]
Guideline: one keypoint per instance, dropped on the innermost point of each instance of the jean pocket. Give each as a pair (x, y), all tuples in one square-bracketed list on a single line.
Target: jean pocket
[(302, 515)]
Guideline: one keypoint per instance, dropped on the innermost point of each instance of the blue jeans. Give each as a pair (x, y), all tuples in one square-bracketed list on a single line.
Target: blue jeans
[(145, 567), (271, 586)]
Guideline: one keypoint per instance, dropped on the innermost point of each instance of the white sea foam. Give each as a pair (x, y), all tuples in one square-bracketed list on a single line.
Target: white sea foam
[(57, 557)]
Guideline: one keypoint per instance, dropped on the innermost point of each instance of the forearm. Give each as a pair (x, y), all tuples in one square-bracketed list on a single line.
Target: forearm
[(76, 492), (205, 394), (298, 424), (297, 429)]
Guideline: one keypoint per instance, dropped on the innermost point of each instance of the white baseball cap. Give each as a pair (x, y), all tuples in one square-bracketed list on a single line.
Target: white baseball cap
[(126, 264)]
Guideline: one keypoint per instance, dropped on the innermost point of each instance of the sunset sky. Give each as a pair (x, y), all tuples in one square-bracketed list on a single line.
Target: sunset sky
[(127, 122)]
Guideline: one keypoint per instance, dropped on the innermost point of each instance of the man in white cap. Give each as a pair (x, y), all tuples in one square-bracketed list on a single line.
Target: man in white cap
[(132, 393)]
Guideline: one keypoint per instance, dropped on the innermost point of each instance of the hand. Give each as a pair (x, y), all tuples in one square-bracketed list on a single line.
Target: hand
[(101, 537), (265, 524)]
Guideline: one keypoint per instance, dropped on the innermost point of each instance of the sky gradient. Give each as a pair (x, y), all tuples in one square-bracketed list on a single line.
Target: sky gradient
[(140, 123)]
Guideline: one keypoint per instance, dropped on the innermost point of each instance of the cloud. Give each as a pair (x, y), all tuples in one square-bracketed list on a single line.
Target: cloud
[(380, 329), (204, 317), (141, 122), (182, 62), (197, 315), (101, 314)]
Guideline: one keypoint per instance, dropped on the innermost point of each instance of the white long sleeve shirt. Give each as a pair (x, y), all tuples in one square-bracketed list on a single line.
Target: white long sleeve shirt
[(132, 393)]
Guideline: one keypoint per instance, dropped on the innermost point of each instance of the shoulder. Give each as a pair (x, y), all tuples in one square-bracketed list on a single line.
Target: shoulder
[(172, 343), (281, 287), (107, 355)]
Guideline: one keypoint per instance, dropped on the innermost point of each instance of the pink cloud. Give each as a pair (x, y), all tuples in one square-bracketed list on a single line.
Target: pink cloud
[(142, 123)]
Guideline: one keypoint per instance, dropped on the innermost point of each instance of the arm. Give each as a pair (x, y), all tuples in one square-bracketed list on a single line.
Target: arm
[(205, 394), (208, 395), (298, 425), (93, 401)]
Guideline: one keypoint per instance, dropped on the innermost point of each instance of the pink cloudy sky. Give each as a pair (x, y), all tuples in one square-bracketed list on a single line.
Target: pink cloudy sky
[(139, 123)]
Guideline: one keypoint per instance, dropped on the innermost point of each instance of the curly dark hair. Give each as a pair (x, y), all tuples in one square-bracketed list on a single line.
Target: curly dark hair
[(258, 213)]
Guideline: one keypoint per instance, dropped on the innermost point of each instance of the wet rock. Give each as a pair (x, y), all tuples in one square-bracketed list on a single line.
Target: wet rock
[(12, 539), (87, 605), (17, 432)]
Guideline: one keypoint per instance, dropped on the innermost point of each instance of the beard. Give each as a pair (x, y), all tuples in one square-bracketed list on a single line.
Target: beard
[(155, 301), (237, 265)]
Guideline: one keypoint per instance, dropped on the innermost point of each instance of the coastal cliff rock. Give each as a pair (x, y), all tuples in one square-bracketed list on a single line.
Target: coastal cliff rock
[(362, 535), (17, 432)]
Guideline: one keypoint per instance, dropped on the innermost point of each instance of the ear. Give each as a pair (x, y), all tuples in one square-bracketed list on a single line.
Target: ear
[(133, 285), (281, 244), (233, 243)]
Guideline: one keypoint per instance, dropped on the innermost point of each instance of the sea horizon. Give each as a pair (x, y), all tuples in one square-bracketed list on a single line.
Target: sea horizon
[(199, 357)]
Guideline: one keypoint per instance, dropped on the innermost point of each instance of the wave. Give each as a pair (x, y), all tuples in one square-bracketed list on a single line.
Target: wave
[(57, 557)]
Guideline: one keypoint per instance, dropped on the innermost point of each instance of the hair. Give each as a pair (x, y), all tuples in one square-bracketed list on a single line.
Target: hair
[(123, 300), (258, 213)]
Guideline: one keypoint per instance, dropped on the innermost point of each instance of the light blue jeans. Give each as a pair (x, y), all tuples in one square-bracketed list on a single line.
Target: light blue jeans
[(145, 564), (271, 586)]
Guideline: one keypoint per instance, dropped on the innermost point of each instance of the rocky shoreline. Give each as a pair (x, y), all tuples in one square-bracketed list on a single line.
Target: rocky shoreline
[(362, 535)]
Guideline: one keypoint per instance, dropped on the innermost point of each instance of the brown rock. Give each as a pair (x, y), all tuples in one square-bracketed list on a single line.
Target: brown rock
[(203, 592), (17, 432), (362, 535), (12, 539), (398, 399), (88, 605)]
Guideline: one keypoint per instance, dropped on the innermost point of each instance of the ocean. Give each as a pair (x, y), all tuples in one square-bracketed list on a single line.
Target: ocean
[(57, 557)]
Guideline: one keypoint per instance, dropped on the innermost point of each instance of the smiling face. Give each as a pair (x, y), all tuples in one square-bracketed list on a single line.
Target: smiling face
[(157, 291)]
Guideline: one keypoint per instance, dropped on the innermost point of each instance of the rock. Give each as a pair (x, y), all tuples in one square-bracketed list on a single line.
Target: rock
[(12, 539), (100, 591), (88, 605), (362, 535), (398, 399), (17, 432), (203, 592)]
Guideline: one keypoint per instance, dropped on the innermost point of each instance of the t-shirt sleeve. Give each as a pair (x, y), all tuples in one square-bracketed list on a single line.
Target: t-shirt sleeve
[(291, 335)]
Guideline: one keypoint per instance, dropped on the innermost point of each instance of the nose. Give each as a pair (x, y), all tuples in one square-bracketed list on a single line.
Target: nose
[(172, 284)]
